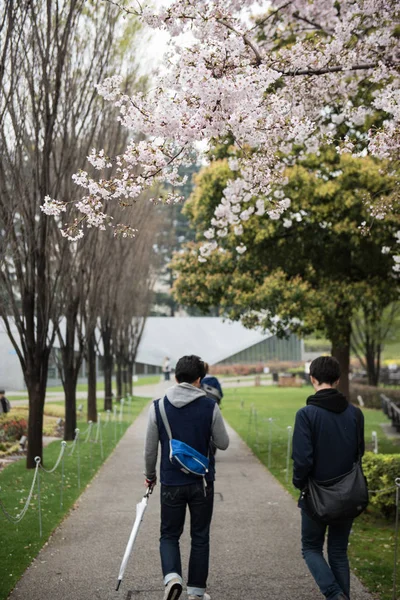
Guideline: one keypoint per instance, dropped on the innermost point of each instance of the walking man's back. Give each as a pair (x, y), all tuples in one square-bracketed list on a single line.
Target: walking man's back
[(185, 414), (327, 442)]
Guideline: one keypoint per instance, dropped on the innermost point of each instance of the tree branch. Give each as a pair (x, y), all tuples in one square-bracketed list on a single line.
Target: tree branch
[(246, 40), (337, 69)]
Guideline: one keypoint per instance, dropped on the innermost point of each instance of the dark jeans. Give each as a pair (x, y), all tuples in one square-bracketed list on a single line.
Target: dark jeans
[(174, 500), (333, 578)]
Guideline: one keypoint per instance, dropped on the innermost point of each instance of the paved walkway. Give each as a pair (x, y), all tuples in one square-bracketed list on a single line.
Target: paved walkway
[(255, 550)]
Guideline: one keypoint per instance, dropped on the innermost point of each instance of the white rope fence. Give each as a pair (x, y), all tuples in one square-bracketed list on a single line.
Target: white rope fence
[(60, 457), (86, 438), (23, 512)]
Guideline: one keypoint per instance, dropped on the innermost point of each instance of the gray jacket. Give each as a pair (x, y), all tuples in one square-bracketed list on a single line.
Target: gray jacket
[(179, 395)]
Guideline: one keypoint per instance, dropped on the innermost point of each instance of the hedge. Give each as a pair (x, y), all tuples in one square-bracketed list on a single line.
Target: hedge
[(243, 369), (381, 470), (372, 395)]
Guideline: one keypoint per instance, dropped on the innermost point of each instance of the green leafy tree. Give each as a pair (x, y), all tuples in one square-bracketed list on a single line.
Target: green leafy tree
[(311, 270)]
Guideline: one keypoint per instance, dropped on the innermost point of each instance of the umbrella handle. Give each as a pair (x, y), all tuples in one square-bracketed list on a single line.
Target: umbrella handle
[(148, 492)]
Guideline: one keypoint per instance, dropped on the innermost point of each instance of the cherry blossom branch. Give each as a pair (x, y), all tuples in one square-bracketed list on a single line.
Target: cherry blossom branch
[(272, 14), (246, 40), (126, 10), (171, 160), (337, 69), (310, 22)]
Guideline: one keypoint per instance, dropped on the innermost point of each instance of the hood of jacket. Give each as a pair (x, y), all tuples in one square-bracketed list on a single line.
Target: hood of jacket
[(330, 399), (183, 393)]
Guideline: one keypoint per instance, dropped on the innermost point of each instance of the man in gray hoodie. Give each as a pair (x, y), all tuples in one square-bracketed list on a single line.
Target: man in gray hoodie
[(195, 420)]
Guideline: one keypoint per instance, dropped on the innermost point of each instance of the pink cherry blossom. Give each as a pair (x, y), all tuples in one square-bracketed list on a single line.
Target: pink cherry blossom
[(237, 78)]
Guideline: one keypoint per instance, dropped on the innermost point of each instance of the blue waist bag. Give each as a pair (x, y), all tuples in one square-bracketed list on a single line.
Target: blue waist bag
[(186, 458)]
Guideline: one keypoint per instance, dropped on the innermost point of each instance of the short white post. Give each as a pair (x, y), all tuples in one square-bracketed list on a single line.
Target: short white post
[(37, 461), (78, 457), (63, 444), (256, 426), (100, 435), (90, 445), (375, 440), (115, 424)]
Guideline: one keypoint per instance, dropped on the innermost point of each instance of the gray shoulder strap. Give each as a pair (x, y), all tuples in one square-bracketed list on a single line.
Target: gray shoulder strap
[(164, 418)]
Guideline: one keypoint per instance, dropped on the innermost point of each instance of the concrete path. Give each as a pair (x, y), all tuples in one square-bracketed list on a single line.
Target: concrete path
[(255, 548)]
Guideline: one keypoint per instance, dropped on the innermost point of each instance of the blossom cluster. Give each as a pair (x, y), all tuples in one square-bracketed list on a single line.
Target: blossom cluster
[(242, 77)]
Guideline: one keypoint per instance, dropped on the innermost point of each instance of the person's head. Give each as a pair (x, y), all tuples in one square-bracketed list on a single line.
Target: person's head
[(2, 392), (206, 368), (324, 371), (190, 369)]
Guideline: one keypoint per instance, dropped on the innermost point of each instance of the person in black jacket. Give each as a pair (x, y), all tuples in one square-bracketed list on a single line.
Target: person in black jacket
[(5, 406), (325, 446)]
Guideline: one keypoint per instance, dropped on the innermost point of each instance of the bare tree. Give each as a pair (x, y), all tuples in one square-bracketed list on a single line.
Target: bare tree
[(132, 302), (52, 53)]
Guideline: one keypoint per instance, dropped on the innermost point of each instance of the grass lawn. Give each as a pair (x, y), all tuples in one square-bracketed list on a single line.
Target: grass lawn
[(372, 541), (19, 544), (82, 387), (147, 380)]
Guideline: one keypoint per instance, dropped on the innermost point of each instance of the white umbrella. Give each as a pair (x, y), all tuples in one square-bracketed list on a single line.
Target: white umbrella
[(140, 510)]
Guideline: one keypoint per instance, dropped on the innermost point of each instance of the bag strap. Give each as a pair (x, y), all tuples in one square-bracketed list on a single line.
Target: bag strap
[(359, 440), (164, 417)]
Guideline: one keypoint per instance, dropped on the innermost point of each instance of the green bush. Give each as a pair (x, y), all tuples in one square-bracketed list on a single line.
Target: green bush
[(8, 448), (381, 470)]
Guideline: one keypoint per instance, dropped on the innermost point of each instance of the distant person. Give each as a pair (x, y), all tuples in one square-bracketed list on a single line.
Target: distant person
[(327, 440), (5, 405), (194, 419), (166, 369), (211, 386)]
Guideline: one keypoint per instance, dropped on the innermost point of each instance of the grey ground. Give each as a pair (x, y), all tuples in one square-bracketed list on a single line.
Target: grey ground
[(255, 544)]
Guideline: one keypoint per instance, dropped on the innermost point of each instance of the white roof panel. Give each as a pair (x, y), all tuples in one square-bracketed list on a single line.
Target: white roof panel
[(211, 338)]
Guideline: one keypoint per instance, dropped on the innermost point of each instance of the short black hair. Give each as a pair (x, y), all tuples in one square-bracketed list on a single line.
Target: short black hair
[(2, 391), (325, 369), (189, 368)]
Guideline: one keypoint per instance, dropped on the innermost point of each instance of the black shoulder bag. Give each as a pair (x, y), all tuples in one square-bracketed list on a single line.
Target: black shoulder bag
[(343, 497)]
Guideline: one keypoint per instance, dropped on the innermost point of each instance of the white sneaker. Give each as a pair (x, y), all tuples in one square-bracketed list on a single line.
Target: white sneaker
[(204, 597), (173, 589)]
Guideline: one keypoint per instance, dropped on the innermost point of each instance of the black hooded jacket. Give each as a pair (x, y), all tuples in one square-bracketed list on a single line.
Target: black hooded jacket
[(325, 440)]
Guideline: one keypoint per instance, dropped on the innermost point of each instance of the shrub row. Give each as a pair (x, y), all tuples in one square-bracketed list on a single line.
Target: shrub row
[(12, 429), (372, 395), (258, 368), (381, 470)]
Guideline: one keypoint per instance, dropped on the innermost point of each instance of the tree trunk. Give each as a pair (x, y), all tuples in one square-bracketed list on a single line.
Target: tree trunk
[(373, 360), (119, 380), (108, 365), (130, 378), (70, 376), (125, 379), (71, 365), (36, 379), (341, 351), (35, 424), (91, 363)]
